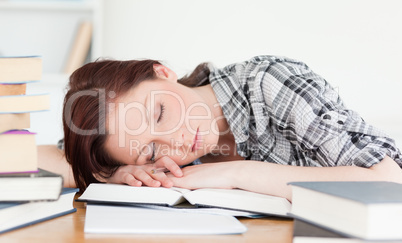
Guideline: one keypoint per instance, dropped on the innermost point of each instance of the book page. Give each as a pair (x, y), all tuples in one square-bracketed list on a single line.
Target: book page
[(181, 190), (240, 200), (189, 208), (124, 194)]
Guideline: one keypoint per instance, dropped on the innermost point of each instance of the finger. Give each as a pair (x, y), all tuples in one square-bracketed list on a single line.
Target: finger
[(176, 181), (130, 180), (169, 164), (165, 181), (146, 179)]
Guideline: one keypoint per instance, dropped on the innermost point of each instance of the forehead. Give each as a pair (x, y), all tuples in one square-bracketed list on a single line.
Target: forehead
[(126, 125), (127, 112)]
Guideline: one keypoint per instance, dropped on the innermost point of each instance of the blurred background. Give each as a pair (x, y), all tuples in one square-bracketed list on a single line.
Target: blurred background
[(353, 44)]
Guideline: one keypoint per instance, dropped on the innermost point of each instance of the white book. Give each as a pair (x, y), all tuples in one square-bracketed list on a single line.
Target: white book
[(107, 219)]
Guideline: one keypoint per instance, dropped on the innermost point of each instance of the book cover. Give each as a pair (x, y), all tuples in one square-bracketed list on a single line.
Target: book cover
[(17, 215), (219, 198), (18, 151), (304, 232), (366, 192), (20, 69), (36, 186), (365, 210)]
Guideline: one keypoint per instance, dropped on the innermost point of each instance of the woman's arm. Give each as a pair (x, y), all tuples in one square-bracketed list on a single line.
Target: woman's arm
[(273, 179), (52, 159)]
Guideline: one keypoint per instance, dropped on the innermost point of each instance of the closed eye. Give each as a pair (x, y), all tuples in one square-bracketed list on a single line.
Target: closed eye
[(153, 153), (161, 113)]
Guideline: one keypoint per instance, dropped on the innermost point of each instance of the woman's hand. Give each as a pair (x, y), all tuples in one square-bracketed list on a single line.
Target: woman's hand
[(138, 175), (210, 175)]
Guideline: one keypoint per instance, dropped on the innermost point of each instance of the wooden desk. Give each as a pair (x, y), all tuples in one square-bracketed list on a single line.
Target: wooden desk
[(70, 228)]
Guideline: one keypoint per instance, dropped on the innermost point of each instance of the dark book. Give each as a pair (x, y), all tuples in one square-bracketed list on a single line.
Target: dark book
[(18, 215), (304, 232), (36, 186), (364, 210)]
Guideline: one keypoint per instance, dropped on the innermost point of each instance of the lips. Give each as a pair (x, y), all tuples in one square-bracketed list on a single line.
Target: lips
[(196, 142)]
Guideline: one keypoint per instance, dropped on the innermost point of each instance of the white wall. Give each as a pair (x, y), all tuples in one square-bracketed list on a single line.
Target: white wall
[(354, 44), (45, 28)]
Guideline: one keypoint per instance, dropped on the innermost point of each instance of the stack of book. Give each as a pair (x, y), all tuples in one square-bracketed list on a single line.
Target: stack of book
[(347, 211), (26, 192), (17, 145)]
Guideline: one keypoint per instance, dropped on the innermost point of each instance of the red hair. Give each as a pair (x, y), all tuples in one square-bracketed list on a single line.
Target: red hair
[(84, 111), (84, 118)]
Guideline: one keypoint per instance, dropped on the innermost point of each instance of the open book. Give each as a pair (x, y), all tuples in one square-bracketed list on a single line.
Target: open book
[(221, 198)]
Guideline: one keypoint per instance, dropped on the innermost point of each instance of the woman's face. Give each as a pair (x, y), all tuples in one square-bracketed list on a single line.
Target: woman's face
[(160, 118)]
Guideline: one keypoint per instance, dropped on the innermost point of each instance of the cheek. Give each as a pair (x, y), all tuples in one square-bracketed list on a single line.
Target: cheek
[(117, 151), (210, 143), (199, 112), (174, 113)]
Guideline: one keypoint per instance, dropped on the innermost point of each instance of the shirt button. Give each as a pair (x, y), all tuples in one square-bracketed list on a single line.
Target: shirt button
[(326, 117)]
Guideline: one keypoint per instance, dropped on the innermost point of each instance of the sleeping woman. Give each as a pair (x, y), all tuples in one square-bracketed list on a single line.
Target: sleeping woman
[(255, 125)]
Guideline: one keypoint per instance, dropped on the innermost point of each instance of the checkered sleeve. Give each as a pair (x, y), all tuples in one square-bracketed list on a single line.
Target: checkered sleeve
[(310, 114)]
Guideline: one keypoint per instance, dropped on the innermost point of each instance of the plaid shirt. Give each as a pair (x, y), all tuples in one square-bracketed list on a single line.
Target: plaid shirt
[(280, 111)]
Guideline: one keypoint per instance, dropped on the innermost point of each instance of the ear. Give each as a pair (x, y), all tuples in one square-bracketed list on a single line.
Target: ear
[(164, 72)]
